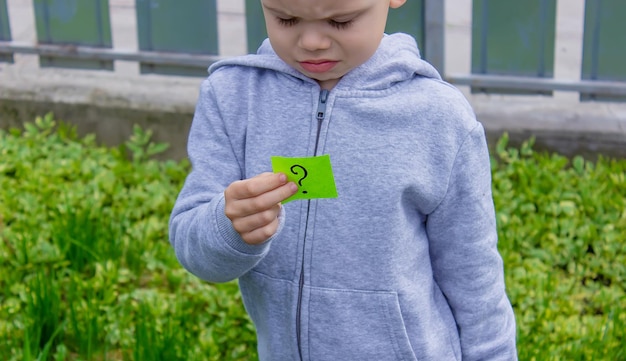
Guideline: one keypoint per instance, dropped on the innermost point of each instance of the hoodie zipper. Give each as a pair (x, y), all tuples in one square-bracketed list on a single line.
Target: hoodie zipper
[(321, 114)]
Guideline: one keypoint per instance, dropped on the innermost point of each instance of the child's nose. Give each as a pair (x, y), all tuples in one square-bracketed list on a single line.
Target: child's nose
[(312, 38)]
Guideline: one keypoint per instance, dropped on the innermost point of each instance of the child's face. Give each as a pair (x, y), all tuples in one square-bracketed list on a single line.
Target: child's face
[(325, 39)]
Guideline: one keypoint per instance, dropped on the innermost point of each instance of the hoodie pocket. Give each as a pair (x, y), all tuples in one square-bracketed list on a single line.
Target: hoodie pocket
[(356, 325)]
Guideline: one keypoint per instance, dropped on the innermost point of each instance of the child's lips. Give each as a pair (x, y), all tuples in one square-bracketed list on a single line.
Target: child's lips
[(318, 66)]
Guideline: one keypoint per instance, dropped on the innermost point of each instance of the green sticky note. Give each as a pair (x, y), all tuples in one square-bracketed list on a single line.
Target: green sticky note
[(313, 175)]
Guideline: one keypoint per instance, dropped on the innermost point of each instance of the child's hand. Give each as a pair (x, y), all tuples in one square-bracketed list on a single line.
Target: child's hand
[(253, 205)]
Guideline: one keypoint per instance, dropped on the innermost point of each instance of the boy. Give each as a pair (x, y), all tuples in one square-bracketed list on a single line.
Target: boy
[(403, 265)]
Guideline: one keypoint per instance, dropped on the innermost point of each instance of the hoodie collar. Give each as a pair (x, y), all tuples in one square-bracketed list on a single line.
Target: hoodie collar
[(397, 59)]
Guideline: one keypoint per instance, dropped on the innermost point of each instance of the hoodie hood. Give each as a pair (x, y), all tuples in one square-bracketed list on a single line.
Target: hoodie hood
[(397, 59)]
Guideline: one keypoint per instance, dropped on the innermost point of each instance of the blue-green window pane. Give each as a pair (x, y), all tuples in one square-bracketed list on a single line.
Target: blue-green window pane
[(512, 37), (5, 30), (73, 22), (604, 48), (409, 18), (255, 25), (180, 27)]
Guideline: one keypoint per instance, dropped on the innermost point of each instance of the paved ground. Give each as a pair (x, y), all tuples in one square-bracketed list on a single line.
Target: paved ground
[(108, 103)]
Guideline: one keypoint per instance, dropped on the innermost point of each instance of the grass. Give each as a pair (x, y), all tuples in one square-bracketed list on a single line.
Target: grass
[(86, 272)]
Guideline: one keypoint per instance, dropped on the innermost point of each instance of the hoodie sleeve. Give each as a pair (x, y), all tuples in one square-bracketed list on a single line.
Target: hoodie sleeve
[(204, 240), (466, 262)]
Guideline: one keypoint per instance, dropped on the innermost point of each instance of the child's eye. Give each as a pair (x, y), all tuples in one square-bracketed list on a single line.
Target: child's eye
[(287, 22), (340, 24)]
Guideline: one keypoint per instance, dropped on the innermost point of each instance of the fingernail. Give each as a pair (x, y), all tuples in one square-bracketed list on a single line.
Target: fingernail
[(293, 187)]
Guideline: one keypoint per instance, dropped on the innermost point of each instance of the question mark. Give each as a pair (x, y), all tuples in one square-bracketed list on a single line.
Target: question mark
[(296, 173)]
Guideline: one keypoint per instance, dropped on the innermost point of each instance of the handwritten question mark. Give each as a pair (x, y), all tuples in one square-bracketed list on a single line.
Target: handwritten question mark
[(297, 173)]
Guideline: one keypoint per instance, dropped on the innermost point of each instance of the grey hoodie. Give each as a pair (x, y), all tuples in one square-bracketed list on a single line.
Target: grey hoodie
[(403, 265)]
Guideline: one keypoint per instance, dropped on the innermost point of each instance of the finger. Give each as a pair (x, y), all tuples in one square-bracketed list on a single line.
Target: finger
[(258, 220), (255, 186), (249, 206), (262, 234)]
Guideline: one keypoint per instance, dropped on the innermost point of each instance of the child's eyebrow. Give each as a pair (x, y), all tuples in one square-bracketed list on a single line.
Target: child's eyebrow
[(275, 11), (332, 16)]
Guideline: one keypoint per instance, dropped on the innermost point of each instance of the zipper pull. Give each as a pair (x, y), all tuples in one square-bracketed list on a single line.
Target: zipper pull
[(321, 105)]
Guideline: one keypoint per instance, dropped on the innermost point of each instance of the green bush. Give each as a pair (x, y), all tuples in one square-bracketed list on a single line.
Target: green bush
[(562, 234), (86, 269), (87, 272)]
